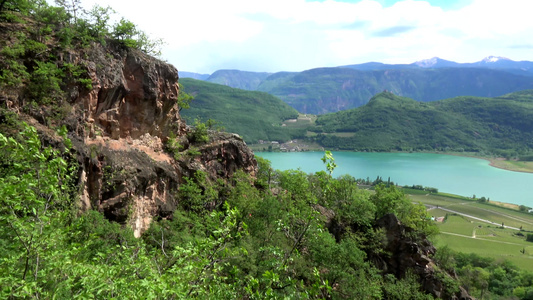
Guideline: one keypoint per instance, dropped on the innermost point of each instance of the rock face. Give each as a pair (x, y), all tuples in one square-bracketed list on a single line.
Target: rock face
[(119, 127), (405, 254), (129, 114), (133, 94)]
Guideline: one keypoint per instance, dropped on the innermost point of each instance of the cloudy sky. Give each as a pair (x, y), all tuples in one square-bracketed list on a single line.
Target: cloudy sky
[(293, 35)]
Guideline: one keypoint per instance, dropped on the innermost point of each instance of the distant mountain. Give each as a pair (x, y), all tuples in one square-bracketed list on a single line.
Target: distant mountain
[(184, 74), (253, 115), (499, 125), (238, 79), (502, 125), (490, 62), (435, 62), (502, 63), (374, 66), (323, 90)]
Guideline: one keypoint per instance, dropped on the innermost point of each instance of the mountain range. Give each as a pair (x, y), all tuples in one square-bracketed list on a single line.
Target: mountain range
[(324, 90), (497, 125), (490, 62)]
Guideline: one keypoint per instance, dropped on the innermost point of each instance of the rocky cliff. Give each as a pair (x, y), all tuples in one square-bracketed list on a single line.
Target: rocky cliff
[(119, 127), (404, 253)]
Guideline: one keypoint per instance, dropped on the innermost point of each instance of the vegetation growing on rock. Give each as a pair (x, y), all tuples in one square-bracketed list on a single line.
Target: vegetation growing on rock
[(212, 224)]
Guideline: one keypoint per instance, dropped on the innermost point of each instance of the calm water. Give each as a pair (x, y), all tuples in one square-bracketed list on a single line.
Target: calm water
[(451, 174)]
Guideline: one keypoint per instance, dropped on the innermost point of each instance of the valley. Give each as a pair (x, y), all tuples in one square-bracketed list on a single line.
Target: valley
[(121, 180), (472, 227)]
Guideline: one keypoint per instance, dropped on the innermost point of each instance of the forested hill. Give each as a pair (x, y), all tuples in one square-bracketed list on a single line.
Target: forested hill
[(500, 125), (324, 90), (253, 115), (389, 122)]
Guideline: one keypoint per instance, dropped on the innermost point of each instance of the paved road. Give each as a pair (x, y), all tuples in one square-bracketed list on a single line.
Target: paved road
[(430, 207)]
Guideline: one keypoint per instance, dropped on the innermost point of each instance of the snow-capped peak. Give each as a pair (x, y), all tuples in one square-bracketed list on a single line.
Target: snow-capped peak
[(493, 59), (426, 63)]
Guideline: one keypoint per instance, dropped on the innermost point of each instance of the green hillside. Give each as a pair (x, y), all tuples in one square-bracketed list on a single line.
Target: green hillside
[(253, 115), (325, 90), (501, 125), (388, 122)]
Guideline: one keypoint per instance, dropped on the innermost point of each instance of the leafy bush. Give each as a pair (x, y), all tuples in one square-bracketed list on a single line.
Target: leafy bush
[(529, 237), (198, 133)]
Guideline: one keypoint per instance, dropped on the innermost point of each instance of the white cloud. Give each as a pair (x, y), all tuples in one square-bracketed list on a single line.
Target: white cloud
[(275, 35)]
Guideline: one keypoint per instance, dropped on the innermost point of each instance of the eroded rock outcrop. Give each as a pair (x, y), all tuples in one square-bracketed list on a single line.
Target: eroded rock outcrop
[(119, 126), (128, 116), (404, 253)]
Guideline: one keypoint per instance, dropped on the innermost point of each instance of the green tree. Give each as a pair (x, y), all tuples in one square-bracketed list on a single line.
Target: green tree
[(99, 18), (184, 99), (125, 31), (392, 200), (21, 6), (35, 182), (73, 7)]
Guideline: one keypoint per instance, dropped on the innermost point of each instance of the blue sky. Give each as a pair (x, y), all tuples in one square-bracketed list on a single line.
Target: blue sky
[(444, 4), (293, 35)]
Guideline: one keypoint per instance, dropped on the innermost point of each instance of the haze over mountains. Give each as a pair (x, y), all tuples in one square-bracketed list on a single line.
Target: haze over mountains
[(324, 90)]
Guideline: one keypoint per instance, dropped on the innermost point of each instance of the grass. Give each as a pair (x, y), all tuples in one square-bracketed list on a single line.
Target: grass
[(458, 225), (490, 248), (469, 235), (513, 165)]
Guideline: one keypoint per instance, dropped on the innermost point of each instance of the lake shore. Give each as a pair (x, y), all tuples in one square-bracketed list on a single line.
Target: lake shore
[(501, 163), (496, 162), (512, 165)]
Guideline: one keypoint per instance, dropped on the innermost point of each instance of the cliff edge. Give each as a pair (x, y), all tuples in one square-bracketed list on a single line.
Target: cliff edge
[(120, 117)]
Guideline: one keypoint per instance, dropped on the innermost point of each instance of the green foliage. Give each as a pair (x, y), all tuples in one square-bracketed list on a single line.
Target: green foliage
[(386, 123), (184, 99), (45, 83), (253, 115), (128, 33), (392, 200), (329, 161), (35, 186), (7, 7), (99, 18), (484, 277), (198, 133), (405, 288), (13, 73), (529, 237), (125, 30), (264, 172), (390, 123), (174, 146), (227, 240), (78, 73), (285, 234)]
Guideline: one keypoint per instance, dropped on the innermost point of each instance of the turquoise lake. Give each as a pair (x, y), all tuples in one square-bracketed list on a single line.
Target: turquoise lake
[(450, 174)]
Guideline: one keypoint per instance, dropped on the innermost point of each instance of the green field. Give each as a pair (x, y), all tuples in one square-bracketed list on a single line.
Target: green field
[(470, 235)]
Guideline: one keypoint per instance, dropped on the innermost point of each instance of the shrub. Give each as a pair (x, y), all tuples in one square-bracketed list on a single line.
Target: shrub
[(529, 237)]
